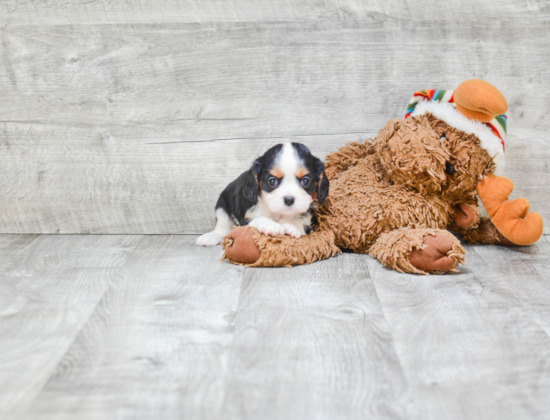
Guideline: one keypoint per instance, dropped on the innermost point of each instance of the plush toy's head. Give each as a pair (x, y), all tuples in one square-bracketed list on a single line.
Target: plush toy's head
[(438, 149)]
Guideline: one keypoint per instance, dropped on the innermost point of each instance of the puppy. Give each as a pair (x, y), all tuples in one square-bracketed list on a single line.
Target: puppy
[(275, 195)]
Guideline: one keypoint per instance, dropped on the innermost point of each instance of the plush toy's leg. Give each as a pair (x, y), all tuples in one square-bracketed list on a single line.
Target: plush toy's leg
[(246, 245), (420, 251), (475, 229), (345, 157), (484, 233)]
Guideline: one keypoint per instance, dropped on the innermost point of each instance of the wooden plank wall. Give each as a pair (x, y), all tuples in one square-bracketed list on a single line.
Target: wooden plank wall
[(131, 116)]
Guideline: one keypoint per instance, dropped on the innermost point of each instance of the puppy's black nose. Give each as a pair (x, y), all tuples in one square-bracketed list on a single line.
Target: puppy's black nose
[(289, 201)]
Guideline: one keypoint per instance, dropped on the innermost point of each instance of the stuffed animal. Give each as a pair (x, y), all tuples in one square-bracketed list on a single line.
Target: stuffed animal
[(396, 197)]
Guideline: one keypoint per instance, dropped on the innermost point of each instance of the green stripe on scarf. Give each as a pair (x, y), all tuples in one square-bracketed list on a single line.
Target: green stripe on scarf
[(502, 123), (440, 95)]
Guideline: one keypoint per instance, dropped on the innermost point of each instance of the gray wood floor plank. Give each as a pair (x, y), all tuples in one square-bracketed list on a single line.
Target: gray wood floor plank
[(88, 110), (527, 274), (312, 343), (59, 12), (49, 286), (469, 346), (95, 327), (157, 344)]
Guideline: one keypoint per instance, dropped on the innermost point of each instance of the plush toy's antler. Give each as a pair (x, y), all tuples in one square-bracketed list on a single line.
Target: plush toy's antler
[(511, 218), (479, 100)]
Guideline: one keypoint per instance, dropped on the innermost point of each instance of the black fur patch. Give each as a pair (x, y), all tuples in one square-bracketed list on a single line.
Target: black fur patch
[(316, 170), (263, 165), (239, 196)]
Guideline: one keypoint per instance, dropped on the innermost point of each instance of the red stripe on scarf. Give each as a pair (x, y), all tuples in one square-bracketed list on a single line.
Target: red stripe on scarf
[(496, 133)]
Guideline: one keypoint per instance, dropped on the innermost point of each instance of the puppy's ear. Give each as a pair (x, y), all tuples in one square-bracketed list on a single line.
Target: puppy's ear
[(251, 187), (257, 167), (323, 184)]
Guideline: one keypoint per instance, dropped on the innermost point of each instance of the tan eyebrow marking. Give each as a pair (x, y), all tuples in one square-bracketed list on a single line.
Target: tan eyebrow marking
[(300, 173), (277, 172)]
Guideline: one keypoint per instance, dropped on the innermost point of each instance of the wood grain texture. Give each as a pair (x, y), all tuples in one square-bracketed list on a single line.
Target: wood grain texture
[(312, 342), (59, 12), (137, 128), (471, 344), (49, 286), (95, 327), (157, 344), (527, 269), (111, 127), (165, 188)]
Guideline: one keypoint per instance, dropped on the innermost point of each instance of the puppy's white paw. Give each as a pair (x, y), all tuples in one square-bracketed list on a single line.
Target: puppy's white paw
[(267, 226), (209, 239), (291, 230)]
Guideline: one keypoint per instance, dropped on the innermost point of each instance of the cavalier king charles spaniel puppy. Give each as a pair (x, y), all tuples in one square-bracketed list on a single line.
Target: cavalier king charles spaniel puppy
[(275, 195)]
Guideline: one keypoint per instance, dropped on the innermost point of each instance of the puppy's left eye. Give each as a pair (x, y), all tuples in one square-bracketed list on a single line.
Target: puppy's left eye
[(273, 182), (305, 181)]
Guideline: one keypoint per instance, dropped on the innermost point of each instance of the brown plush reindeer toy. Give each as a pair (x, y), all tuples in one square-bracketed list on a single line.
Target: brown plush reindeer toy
[(395, 196)]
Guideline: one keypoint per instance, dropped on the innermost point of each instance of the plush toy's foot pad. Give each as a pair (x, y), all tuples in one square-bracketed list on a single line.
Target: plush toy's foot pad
[(240, 247), (419, 251), (432, 256)]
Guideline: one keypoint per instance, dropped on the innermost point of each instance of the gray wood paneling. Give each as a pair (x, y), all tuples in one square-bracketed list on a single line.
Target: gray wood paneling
[(61, 12), (89, 99), (49, 287), (156, 346), (173, 187)]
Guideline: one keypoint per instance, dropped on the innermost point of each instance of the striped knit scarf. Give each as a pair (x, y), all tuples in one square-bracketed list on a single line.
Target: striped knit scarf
[(497, 124)]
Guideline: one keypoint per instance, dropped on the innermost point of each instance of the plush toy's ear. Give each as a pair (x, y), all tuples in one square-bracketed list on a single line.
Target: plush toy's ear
[(322, 187), (388, 131)]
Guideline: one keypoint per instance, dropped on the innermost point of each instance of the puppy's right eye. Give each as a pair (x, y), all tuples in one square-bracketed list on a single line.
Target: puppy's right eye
[(273, 182)]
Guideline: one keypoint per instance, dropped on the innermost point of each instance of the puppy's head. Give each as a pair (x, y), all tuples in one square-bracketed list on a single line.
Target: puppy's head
[(290, 178)]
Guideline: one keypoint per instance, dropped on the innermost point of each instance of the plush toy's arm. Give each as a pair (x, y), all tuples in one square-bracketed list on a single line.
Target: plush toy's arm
[(345, 157), (247, 246)]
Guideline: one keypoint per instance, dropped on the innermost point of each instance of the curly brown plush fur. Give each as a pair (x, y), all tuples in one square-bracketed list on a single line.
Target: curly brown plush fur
[(392, 198)]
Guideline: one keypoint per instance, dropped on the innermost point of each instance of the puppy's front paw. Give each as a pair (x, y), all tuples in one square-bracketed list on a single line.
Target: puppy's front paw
[(209, 239), (267, 226), (291, 230)]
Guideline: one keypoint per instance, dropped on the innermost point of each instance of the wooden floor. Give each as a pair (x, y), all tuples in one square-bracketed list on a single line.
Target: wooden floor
[(153, 327)]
